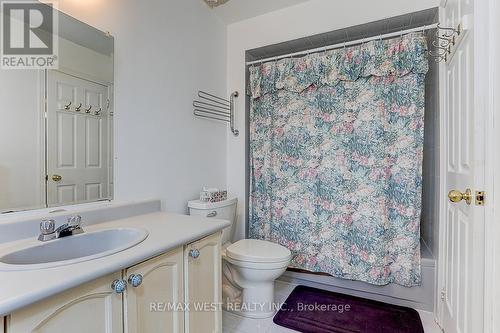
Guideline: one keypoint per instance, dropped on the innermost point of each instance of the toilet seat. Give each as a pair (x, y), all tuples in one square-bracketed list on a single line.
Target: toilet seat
[(257, 265), (257, 251), (253, 265)]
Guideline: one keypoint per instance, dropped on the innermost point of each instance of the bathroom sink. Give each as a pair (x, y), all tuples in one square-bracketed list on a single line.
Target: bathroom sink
[(72, 249)]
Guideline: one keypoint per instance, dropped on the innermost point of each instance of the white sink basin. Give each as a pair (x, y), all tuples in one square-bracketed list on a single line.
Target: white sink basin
[(71, 249)]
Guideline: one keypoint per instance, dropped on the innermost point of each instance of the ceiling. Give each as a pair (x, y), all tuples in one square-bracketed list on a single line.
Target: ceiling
[(239, 10)]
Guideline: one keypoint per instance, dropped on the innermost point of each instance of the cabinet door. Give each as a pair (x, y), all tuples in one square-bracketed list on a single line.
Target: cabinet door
[(91, 307), (203, 280), (156, 305)]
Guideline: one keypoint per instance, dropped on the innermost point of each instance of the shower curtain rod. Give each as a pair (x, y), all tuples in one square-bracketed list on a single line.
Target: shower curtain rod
[(339, 45)]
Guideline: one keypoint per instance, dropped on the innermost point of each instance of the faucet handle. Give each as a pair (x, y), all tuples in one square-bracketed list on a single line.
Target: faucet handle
[(74, 221), (47, 226)]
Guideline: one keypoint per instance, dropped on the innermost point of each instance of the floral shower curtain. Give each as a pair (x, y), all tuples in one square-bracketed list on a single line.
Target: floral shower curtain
[(336, 143)]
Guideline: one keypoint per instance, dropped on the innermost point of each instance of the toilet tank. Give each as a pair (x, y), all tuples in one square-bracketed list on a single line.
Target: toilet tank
[(224, 210)]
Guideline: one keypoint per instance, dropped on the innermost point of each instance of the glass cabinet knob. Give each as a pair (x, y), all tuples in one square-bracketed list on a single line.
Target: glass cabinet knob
[(135, 280), (119, 286), (194, 253)]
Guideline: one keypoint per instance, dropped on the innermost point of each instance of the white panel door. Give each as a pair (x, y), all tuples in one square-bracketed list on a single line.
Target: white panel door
[(78, 140), (461, 229), (92, 307)]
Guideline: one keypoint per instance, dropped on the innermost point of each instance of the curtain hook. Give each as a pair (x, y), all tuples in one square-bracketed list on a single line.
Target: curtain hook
[(422, 32)]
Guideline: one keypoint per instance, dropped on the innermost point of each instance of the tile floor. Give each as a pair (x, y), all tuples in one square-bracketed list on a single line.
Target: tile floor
[(236, 324)]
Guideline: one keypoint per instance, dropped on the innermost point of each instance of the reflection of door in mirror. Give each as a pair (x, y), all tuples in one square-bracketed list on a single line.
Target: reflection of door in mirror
[(56, 125), (78, 140)]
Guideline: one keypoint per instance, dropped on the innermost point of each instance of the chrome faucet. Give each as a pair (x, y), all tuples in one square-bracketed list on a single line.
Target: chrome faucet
[(49, 232)]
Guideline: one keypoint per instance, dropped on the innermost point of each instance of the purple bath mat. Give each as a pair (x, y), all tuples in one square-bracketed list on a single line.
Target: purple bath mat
[(312, 310)]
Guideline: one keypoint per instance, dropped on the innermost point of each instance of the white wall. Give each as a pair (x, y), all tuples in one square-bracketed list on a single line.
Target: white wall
[(306, 19), (21, 182), (165, 50)]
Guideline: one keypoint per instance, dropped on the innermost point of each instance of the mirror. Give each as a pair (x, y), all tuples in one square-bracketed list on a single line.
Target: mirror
[(56, 125)]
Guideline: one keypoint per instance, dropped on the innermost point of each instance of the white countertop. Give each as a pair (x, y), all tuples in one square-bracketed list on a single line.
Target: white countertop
[(166, 232)]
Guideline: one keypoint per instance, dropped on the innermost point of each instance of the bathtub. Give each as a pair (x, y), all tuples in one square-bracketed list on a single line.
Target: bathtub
[(421, 297)]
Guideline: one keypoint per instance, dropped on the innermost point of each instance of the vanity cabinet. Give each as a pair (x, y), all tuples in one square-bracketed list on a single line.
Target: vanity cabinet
[(155, 305), (156, 293), (202, 263), (91, 307)]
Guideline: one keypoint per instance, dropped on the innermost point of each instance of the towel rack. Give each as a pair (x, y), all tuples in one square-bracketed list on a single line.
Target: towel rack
[(210, 106)]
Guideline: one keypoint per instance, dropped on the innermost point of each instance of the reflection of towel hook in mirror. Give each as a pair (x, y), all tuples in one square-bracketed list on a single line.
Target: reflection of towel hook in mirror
[(66, 107), (78, 108), (88, 110), (98, 112)]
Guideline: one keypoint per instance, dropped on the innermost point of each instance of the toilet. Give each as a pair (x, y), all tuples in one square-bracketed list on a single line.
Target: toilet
[(249, 266)]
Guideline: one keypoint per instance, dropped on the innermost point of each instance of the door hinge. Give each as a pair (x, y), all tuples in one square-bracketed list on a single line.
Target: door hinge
[(480, 198), (46, 178), (443, 294)]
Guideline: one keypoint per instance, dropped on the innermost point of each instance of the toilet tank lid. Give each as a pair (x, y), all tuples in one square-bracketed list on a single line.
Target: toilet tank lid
[(255, 250), (198, 204)]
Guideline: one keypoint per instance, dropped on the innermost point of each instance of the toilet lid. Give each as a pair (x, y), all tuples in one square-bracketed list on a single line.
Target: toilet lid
[(254, 250)]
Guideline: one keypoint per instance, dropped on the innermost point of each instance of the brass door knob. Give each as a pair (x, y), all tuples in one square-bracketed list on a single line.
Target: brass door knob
[(56, 178), (457, 196)]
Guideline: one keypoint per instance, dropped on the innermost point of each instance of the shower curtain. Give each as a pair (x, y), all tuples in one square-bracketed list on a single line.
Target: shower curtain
[(336, 142)]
